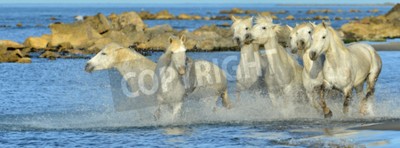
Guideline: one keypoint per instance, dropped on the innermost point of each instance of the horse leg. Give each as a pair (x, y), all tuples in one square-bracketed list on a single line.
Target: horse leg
[(369, 97), (362, 98), (225, 99), (347, 99), (327, 112), (176, 109), (237, 96), (312, 98)]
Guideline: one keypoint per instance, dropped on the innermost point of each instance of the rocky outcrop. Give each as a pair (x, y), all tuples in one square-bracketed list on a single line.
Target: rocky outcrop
[(10, 44), (375, 28), (99, 22), (36, 42), (164, 15), (12, 55), (127, 19), (77, 34)]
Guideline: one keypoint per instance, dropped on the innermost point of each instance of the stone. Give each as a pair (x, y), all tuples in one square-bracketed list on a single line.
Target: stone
[(36, 42), (127, 19), (77, 34), (99, 22)]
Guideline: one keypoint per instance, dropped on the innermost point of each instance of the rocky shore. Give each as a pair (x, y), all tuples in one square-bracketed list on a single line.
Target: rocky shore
[(374, 28), (89, 34)]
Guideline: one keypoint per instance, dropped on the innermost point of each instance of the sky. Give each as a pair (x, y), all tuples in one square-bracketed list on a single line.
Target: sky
[(204, 1)]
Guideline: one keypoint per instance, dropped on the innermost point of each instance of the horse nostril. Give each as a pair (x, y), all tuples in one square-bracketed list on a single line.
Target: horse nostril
[(302, 42), (312, 55), (247, 36), (89, 68)]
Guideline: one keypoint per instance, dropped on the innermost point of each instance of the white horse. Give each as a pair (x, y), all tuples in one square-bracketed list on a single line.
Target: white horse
[(283, 75), (130, 64), (179, 76), (300, 42), (249, 74), (346, 68)]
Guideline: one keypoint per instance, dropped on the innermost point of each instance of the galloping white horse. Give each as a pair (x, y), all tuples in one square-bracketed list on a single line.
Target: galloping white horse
[(128, 63), (283, 73), (249, 74), (346, 68), (180, 76), (300, 42)]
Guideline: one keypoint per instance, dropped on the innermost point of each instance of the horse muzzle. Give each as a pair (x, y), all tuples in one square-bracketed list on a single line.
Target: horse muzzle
[(181, 70), (89, 68), (313, 55)]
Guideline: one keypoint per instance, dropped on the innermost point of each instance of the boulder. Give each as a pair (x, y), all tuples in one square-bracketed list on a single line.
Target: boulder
[(233, 11), (99, 45), (99, 22), (119, 37), (127, 19), (146, 15), (36, 42), (373, 11), (77, 34), (10, 55), (164, 15), (354, 11), (19, 25), (24, 60), (270, 14), (290, 17), (394, 13), (184, 16), (11, 44), (50, 55)]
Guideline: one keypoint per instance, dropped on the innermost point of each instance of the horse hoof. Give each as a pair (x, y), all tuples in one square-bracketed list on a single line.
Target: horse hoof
[(328, 115)]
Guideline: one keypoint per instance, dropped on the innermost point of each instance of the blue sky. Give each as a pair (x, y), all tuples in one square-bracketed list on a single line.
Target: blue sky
[(200, 1)]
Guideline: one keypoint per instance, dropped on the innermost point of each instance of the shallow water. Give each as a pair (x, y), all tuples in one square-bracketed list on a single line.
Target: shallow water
[(56, 103)]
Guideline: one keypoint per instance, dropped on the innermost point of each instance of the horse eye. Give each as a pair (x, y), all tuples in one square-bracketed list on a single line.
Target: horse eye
[(103, 53), (323, 37), (247, 28), (309, 32), (290, 37), (264, 28)]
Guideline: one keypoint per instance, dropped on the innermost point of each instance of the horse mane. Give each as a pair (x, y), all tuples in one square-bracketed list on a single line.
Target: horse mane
[(306, 24), (247, 21), (263, 19), (336, 38)]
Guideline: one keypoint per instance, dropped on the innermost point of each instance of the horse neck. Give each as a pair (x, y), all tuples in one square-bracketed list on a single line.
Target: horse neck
[(273, 47), (311, 66), (337, 55), (250, 50), (130, 63)]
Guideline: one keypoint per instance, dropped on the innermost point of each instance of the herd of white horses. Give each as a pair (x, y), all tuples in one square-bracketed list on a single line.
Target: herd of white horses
[(327, 64)]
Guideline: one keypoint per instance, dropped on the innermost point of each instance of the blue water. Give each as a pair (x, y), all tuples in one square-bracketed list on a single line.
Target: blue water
[(57, 104)]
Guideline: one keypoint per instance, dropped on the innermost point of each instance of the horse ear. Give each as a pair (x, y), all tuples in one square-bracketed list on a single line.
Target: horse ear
[(233, 18), (313, 24), (250, 19), (183, 38), (276, 28), (325, 24), (290, 28)]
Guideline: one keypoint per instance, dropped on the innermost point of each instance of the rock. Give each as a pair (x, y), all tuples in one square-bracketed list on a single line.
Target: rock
[(36, 42), (127, 19), (157, 42), (232, 11), (11, 44), (24, 60), (206, 44), (354, 11), (53, 18), (338, 18), (19, 25), (10, 55), (146, 15), (267, 13), (188, 17), (50, 55), (220, 18), (340, 11), (99, 45), (164, 15), (119, 37), (394, 13), (226, 33), (373, 11), (159, 29), (251, 12), (99, 22), (311, 12), (281, 12), (374, 28), (290, 17), (77, 34)]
